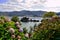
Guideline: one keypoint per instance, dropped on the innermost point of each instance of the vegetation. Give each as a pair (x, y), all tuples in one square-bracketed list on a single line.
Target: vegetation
[(15, 18), (49, 29), (49, 14), (25, 19), (9, 30)]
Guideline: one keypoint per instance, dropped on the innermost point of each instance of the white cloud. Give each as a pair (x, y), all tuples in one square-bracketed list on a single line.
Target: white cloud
[(17, 5), (53, 3)]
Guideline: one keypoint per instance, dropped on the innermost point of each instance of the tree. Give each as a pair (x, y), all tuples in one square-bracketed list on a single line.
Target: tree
[(49, 14), (48, 30), (15, 19)]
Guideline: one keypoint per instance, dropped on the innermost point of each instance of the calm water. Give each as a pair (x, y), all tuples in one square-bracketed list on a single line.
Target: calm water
[(30, 24)]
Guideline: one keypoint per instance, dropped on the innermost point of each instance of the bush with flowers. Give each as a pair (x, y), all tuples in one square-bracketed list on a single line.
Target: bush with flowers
[(11, 30)]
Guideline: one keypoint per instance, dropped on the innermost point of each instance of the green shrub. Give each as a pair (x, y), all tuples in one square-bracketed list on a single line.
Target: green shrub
[(15, 18), (47, 30)]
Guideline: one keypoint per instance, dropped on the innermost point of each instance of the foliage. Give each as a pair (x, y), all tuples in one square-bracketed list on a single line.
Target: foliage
[(49, 29), (15, 18), (25, 30), (49, 14), (4, 30)]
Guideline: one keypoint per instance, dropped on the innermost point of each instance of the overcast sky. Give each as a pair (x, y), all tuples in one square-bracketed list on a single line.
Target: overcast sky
[(32, 5)]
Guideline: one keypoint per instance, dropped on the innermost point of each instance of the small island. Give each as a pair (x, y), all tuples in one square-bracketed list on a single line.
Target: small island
[(26, 19)]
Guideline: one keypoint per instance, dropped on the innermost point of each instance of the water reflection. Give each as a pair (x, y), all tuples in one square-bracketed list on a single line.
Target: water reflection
[(30, 24)]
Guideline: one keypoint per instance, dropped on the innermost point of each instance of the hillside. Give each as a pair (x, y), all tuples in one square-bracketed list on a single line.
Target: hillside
[(23, 13)]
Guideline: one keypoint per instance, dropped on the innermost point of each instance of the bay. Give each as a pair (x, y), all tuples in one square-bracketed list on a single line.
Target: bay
[(28, 25)]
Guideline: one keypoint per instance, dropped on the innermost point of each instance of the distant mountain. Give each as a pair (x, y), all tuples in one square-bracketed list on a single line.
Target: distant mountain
[(23, 13), (58, 13)]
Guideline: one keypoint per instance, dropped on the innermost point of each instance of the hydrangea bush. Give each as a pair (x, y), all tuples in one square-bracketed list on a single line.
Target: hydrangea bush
[(10, 31)]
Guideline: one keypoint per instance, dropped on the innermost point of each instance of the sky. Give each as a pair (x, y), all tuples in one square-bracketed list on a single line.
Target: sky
[(32, 5)]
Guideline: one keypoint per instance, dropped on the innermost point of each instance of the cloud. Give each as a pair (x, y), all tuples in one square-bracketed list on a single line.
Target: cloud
[(17, 5), (53, 3)]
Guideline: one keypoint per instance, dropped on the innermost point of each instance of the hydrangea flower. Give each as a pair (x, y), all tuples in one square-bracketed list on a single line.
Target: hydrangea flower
[(18, 26), (11, 30), (19, 37), (21, 29), (13, 36), (27, 35), (17, 23)]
